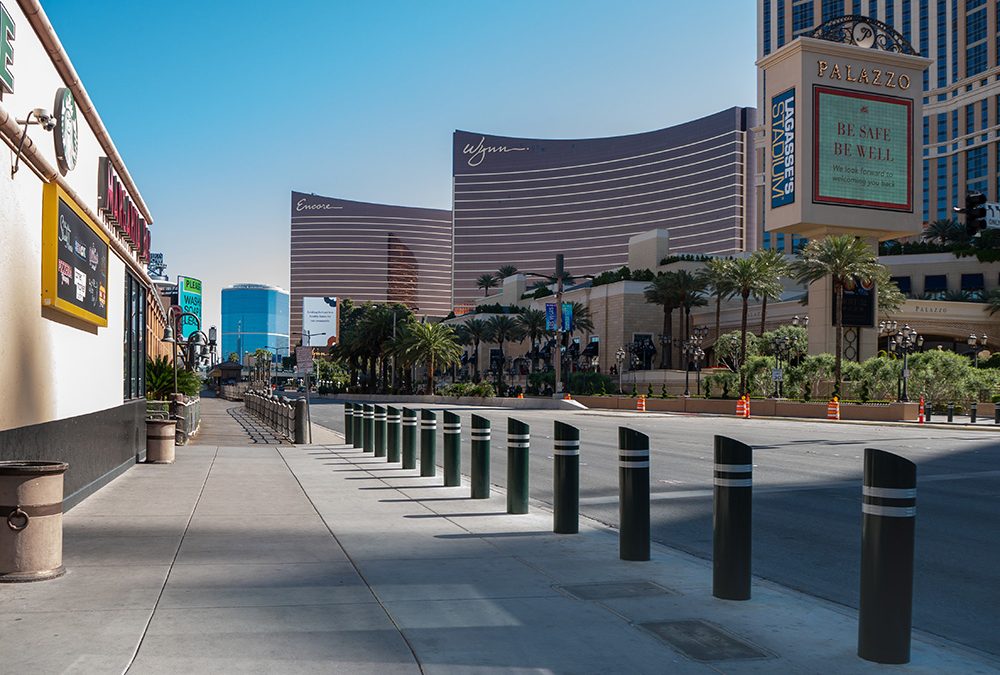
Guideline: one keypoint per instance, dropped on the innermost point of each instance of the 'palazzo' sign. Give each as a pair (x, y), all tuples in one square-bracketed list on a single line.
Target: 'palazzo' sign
[(116, 206)]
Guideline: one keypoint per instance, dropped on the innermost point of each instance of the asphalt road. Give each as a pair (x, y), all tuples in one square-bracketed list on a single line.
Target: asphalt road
[(807, 500)]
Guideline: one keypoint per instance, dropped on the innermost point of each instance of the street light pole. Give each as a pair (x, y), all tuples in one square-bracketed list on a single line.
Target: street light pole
[(559, 323)]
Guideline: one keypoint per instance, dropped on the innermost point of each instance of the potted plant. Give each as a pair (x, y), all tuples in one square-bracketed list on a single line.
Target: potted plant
[(161, 430)]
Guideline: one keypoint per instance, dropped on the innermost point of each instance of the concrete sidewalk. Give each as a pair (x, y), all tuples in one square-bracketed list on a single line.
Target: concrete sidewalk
[(320, 558)]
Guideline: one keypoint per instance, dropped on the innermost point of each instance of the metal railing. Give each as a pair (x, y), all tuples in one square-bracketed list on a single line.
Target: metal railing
[(287, 417)]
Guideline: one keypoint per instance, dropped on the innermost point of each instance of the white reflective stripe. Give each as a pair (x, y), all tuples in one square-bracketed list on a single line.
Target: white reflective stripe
[(409, 423), (393, 418), (518, 437), (733, 482), (518, 444), (428, 425), (566, 444), (889, 493), (481, 432), (634, 453), (889, 511), (734, 468), (452, 427), (566, 453), (381, 418), (633, 465)]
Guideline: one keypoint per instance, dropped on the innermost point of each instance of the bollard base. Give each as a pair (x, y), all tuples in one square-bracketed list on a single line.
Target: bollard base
[(25, 577)]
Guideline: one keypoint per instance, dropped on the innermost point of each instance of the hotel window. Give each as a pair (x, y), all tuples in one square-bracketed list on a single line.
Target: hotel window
[(767, 27), (984, 119), (798, 243), (781, 22), (977, 164), (973, 285), (134, 373), (970, 123), (907, 20), (942, 42), (802, 17), (890, 14), (832, 9), (975, 58), (904, 285), (935, 286)]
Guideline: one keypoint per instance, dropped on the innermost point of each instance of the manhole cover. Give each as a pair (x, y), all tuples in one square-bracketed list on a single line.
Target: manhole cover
[(623, 589), (703, 641)]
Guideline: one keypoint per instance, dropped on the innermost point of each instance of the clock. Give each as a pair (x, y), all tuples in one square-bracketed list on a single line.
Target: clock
[(66, 131)]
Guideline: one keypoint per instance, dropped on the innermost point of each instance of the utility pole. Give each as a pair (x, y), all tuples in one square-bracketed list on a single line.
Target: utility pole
[(559, 323)]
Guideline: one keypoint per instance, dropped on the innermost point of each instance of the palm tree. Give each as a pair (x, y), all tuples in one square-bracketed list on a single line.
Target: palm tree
[(663, 291), (432, 343), (718, 285), (582, 319), (506, 271), (501, 328), (486, 282), (532, 323), (748, 276), (477, 331), (992, 300), (890, 298), (842, 259), (774, 261), (690, 289), (945, 231)]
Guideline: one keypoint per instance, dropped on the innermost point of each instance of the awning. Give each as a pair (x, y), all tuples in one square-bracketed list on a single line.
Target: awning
[(903, 283), (972, 282), (935, 282), (592, 349)]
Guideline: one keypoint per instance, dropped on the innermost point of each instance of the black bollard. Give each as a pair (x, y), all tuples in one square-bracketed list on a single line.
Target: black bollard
[(480, 471), (996, 413), (378, 435), (972, 414), (428, 443), (566, 479), (409, 438), (731, 523), (889, 504), (348, 423), (392, 435), (368, 429), (928, 411), (633, 495), (452, 449), (359, 425), (518, 447), (951, 412)]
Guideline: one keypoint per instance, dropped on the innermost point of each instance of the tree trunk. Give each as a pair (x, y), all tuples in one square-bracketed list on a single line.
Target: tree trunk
[(665, 353), (475, 364), (839, 287), (430, 375), (763, 315), (718, 327), (669, 331), (743, 344)]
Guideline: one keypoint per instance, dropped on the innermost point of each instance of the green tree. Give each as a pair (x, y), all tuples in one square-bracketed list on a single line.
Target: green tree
[(664, 291), (532, 324), (946, 232), (160, 380), (890, 298), (775, 264), (501, 328), (691, 290), (842, 259), (506, 271), (718, 285), (749, 276), (434, 344), (992, 301), (477, 332), (233, 357), (486, 282)]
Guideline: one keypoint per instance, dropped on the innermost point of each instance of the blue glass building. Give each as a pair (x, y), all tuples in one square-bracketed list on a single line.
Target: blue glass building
[(254, 316)]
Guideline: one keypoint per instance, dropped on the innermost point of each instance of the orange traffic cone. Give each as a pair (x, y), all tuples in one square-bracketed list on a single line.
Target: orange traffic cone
[(640, 403), (747, 407), (741, 407), (833, 409), (920, 413)]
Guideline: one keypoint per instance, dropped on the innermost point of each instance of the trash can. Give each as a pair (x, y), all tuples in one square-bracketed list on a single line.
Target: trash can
[(31, 500), (161, 437)]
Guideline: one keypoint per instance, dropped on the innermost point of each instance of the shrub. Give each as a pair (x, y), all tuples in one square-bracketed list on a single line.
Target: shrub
[(160, 380), (725, 383), (588, 383)]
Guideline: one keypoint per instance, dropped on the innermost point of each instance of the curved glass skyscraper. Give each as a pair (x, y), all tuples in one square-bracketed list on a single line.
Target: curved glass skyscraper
[(254, 316)]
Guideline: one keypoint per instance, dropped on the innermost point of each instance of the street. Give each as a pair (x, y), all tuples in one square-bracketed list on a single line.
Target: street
[(807, 498)]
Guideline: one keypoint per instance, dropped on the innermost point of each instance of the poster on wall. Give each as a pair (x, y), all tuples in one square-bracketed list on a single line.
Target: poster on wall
[(862, 149), (783, 148), (319, 321), (189, 300), (859, 304), (74, 259)]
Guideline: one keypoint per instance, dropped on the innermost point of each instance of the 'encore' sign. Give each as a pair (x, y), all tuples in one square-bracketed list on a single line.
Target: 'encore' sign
[(116, 206)]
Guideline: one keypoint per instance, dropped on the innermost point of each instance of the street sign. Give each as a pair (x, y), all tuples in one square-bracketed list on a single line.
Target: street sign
[(777, 375), (304, 359), (993, 215)]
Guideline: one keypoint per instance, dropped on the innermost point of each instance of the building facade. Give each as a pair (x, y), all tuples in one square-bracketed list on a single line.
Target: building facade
[(369, 253), (520, 201), (79, 311), (961, 126), (254, 316)]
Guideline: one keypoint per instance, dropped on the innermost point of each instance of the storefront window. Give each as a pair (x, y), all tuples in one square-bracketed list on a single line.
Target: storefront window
[(134, 339)]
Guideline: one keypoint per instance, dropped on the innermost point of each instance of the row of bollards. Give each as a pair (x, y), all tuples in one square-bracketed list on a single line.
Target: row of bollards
[(888, 504), (950, 413), (288, 418)]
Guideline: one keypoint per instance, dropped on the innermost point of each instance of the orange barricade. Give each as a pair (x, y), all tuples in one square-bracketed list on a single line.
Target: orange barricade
[(567, 397), (920, 413), (833, 409), (640, 403), (520, 395), (747, 407), (741, 407)]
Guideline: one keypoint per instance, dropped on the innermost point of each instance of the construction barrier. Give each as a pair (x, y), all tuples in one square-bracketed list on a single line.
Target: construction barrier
[(833, 409), (640, 403), (920, 411), (743, 407)]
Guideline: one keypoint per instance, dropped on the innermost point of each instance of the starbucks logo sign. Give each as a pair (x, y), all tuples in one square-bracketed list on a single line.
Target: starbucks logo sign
[(66, 132)]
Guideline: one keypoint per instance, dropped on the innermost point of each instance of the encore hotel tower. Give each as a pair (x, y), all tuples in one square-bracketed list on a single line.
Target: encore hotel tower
[(369, 252), (520, 201)]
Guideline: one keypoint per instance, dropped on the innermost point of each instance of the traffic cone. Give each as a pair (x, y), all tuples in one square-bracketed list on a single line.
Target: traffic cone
[(833, 409), (747, 409), (741, 407), (920, 414), (640, 403)]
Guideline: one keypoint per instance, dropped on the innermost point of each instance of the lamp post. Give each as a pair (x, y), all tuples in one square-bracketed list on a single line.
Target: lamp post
[(307, 339), (782, 346), (691, 348), (905, 341), (665, 341), (174, 315), (887, 329), (620, 360), (977, 343)]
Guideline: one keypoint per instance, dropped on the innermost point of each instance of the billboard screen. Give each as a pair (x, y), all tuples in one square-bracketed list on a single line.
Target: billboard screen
[(319, 321), (862, 149), (189, 300), (783, 148)]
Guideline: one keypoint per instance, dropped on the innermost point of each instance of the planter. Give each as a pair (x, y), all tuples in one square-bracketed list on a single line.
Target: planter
[(161, 436), (31, 499)]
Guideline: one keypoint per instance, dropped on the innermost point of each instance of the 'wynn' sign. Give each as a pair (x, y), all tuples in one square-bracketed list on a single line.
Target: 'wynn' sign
[(477, 153)]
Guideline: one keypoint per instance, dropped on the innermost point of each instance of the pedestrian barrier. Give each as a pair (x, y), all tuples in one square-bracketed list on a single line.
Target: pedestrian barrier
[(518, 448), (409, 438), (452, 449), (368, 428), (920, 411), (428, 443), (348, 423), (833, 409), (889, 498), (731, 522), (278, 413), (633, 494), (392, 436), (640, 403), (378, 435), (480, 470), (566, 479)]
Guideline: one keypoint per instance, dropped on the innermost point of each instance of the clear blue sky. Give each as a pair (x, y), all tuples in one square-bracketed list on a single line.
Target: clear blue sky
[(221, 108)]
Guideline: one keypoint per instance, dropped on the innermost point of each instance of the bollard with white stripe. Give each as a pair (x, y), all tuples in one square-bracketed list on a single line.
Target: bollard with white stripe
[(633, 494), (566, 479), (428, 443), (368, 428), (348, 423), (410, 438), (972, 413), (888, 522), (518, 447), (731, 522), (359, 425), (452, 449), (392, 435), (378, 435), (951, 412), (480, 470)]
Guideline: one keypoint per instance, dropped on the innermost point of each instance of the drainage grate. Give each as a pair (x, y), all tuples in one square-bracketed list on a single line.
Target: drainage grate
[(703, 641), (622, 589)]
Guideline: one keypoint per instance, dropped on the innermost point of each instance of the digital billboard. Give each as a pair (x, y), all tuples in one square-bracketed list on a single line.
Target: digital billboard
[(189, 300), (862, 149), (783, 148), (319, 321)]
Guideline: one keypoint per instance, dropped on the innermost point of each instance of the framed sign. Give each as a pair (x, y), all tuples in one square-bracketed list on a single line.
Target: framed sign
[(783, 148), (74, 259), (320, 321), (189, 300)]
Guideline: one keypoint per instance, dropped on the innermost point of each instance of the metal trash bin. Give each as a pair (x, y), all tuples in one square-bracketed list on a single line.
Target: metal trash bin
[(161, 439), (31, 501)]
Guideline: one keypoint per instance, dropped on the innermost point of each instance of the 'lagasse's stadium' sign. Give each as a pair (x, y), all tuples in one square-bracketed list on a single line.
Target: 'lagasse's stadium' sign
[(783, 149)]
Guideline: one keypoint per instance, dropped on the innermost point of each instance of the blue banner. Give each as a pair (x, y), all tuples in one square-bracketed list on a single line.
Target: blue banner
[(567, 317), (550, 316), (783, 149)]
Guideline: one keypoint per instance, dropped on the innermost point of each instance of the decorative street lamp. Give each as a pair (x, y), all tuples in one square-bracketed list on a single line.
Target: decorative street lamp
[(620, 360), (193, 343), (977, 344), (887, 329), (905, 342), (691, 348)]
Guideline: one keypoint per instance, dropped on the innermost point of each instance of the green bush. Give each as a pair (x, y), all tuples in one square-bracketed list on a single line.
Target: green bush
[(726, 383), (160, 380), (589, 383), (482, 389)]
